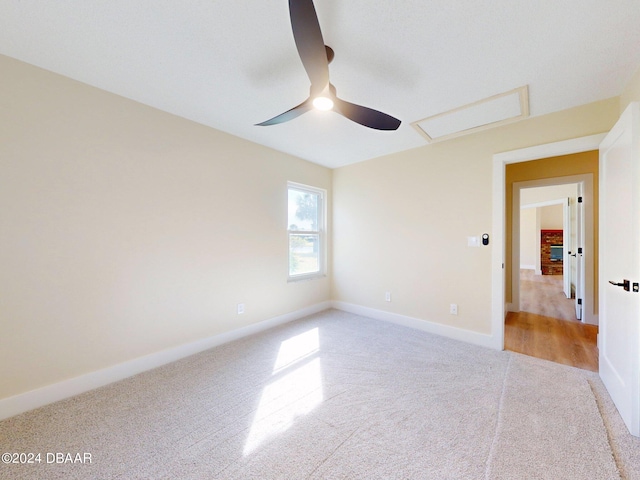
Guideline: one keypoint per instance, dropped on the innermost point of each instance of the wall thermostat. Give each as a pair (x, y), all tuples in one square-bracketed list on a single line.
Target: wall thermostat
[(485, 239)]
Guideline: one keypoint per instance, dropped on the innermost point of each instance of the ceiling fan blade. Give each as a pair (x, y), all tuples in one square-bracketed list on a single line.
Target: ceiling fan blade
[(366, 116), (309, 41), (289, 114)]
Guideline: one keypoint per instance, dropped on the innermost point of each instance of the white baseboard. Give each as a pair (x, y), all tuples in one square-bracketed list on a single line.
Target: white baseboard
[(527, 267), (463, 335), (23, 402)]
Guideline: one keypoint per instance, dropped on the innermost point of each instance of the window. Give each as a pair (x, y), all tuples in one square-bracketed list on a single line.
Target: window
[(306, 220)]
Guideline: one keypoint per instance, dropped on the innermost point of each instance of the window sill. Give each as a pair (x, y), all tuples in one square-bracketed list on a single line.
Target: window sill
[(310, 276)]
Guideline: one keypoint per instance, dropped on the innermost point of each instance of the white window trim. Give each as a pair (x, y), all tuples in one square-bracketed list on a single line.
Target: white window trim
[(321, 232)]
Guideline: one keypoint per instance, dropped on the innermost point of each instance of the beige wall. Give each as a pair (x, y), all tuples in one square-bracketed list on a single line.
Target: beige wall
[(529, 232), (551, 217), (631, 93), (401, 222), (125, 231)]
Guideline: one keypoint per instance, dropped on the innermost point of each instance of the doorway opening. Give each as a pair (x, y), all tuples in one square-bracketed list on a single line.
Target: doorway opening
[(549, 234), (542, 162), (553, 234), (552, 239)]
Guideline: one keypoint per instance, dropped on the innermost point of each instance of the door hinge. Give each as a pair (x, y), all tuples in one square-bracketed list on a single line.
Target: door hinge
[(580, 250), (579, 301), (579, 199)]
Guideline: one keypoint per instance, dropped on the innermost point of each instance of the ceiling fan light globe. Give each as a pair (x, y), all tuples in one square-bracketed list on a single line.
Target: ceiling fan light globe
[(323, 103)]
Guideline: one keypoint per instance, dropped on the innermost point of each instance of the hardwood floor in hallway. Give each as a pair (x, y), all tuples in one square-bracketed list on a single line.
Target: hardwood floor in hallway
[(546, 327), (562, 341), (542, 294)]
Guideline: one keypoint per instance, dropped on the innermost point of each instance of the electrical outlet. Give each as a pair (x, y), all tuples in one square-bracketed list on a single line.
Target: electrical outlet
[(387, 296), (453, 309), (240, 308)]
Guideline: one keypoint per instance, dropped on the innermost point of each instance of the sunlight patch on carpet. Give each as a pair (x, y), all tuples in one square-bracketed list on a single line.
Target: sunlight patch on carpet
[(295, 392), (297, 349)]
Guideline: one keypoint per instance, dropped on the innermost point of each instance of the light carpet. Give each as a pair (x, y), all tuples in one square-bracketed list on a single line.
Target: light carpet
[(330, 396), (541, 431)]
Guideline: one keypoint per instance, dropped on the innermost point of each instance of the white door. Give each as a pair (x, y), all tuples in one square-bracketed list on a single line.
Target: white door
[(619, 329), (579, 253)]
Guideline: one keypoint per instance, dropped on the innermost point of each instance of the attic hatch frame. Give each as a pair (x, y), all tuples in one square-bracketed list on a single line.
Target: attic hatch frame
[(523, 105)]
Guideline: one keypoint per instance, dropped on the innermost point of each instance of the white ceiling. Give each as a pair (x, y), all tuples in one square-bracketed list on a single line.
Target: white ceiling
[(231, 64)]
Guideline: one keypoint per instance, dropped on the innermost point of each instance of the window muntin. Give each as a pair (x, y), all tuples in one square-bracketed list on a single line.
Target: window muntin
[(306, 206)]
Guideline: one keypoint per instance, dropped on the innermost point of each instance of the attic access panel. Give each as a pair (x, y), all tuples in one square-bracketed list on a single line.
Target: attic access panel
[(488, 113)]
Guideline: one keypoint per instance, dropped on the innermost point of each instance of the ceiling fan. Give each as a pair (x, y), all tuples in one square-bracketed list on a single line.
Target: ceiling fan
[(316, 56)]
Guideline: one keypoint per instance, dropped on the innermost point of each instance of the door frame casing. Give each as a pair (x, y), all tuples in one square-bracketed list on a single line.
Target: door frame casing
[(500, 161)]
